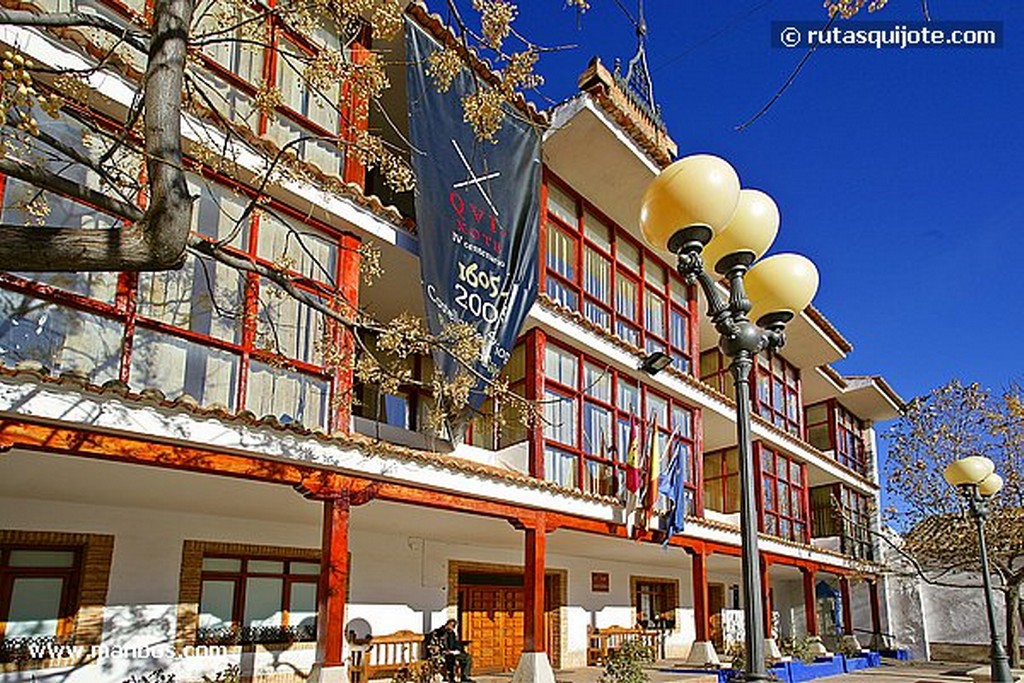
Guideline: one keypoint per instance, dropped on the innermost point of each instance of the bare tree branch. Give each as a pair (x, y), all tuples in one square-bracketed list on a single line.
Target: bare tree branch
[(135, 37), (156, 239)]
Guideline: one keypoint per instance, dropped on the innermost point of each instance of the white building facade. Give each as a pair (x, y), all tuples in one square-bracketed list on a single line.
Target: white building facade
[(177, 497)]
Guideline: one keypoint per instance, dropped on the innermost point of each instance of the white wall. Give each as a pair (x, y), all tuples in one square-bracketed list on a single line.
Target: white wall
[(398, 580), (143, 591)]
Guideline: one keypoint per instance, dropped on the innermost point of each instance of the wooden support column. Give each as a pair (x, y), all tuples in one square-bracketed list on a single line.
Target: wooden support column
[(844, 588), (353, 114), (701, 617), (810, 601), (876, 608), (348, 289), (337, 495), (536, 340), (330, 623), (766, 598), (533, 607)]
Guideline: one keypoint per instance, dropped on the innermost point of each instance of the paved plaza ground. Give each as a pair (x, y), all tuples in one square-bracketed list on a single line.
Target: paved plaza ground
[(889, 672)]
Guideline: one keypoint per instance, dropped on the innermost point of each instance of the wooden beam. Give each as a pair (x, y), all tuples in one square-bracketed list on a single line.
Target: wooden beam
[(533, 607), (348, 287), (844, 588), (810, 601), (536, 340), (701, 616), (333, 583), (876, 608)]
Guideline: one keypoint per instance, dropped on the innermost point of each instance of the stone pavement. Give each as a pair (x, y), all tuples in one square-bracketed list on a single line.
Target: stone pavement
[(889, 672)]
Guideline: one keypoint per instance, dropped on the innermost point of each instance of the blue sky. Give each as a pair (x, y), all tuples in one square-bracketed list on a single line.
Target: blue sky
[(897, 172)]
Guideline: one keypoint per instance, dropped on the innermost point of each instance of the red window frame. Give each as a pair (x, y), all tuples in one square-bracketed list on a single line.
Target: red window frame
[(277, 30), (838, 510), (794, 524), (616, 451), (730, 503), (787, 385), (632, 329), (238, 578), (124, 311), (484, 430), (715, 371), (70, 577), (845, 435)]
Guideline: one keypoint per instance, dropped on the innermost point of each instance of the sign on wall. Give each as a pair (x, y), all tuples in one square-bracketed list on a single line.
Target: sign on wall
[(477, 214), (599, 582)]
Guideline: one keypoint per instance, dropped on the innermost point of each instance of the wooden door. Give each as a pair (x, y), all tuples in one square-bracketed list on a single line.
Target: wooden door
[(716, 603), (492, 619), (552, 620)]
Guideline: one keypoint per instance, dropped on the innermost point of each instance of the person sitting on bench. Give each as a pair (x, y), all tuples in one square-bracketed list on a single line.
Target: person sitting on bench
[(454, 651)]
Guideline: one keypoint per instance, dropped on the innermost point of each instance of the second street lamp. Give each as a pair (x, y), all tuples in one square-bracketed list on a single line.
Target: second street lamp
[(975, 479), (690, 202)]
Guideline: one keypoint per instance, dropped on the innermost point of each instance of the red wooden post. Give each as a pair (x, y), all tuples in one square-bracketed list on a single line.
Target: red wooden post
[(876, 608), (348, 291), (330, 623), (844, 588), (536, 340), (701, 617), (766, 598), (533, 608), (810, 601), (698, 459), (353, 116)]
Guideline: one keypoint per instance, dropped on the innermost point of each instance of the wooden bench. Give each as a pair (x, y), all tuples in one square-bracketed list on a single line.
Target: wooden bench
[(385, 656), (604, 642)]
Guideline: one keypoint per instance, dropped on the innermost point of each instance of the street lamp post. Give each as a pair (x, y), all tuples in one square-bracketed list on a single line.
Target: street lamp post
[(976, 480), (689, 203)]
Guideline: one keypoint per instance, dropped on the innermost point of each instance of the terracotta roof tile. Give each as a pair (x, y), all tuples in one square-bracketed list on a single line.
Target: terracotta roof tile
[(35, 372)]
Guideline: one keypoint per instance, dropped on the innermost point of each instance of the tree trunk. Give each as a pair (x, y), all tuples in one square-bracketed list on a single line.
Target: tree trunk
[(154, 240), (1012, 594)]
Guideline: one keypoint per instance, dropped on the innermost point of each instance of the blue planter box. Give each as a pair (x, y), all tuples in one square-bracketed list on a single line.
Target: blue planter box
[(855, 663), (874, 659), (822, 666), (781, 671), (724, 675), (901, 654)]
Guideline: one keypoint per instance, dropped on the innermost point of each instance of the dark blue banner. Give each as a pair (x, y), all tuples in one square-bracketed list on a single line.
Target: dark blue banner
[(477, 213)]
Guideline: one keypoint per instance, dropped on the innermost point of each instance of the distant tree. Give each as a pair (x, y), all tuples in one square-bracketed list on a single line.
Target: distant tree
[(952, 422)]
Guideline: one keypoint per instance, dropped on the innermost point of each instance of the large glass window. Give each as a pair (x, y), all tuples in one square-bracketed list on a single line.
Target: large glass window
[(722, 481), (38, 591), (182, 331), (837, 510), (783, 487), (777, 382), (835, 430), (307, 119), (588, 413), (777, 398), (655, 602), (597, 268), (257, 600)]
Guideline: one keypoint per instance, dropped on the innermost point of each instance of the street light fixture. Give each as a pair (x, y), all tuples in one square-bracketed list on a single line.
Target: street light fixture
[(690, 202), (976, 479)]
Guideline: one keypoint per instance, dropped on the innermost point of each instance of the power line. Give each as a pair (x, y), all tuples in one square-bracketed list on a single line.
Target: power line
[(725, 29)]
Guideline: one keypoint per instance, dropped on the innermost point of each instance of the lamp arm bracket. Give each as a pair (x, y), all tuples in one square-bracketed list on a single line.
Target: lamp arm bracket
[(774, 338), (738, 301), (690, 266)]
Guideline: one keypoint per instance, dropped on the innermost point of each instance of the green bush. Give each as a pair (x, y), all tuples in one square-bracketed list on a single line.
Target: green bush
[(626, 665), (798, 647)]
